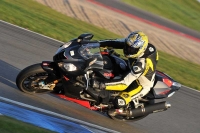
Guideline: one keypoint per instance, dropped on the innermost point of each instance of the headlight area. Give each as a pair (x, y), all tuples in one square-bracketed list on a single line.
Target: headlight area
[(67, 66), (70, 67)]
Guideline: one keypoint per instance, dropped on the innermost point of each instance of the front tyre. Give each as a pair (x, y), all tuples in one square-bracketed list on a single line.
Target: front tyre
[(27, 80)]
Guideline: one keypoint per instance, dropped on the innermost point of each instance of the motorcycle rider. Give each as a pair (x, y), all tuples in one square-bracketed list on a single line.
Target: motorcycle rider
[(142, 59)]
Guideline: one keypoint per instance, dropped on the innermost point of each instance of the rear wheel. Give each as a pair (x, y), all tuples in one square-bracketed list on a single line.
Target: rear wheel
[(28, 79)]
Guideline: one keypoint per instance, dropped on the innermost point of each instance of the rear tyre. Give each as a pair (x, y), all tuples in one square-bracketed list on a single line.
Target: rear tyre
[(27, 80)]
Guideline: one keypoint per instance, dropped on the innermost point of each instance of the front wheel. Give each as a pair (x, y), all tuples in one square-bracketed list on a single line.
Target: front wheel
[(28, 79)]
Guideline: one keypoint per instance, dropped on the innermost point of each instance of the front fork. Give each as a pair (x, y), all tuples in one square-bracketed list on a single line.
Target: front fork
[(50, 85), (87, 79), (53, 75)]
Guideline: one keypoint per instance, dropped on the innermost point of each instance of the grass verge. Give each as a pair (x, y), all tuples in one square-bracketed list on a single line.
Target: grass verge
[(185, 12), (10, 125), (44, 20)]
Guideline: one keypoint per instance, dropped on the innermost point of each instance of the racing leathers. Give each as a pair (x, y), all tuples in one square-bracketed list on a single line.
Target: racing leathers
[(139, 79)]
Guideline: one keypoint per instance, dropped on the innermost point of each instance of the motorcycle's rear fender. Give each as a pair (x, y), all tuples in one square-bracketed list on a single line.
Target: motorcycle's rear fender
[(51, 68), (164, 86), (161, 90)]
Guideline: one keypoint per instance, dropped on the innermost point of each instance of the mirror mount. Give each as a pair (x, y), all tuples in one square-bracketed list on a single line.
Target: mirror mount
[(85, 36)]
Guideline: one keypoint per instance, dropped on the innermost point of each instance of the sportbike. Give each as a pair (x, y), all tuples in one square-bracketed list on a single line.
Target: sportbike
[(81, 60)]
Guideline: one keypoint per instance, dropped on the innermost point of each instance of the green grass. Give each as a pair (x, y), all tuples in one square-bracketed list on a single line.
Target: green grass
[(185, 12), (10, 125), (44, 20)]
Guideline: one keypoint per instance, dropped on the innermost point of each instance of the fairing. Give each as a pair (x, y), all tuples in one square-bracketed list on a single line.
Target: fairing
[(63, 47)]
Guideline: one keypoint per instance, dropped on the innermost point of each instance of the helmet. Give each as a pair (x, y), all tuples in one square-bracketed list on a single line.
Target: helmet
[(135, 44)]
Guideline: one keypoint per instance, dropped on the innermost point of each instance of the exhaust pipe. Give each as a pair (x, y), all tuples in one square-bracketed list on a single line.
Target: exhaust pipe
[(153, 108)]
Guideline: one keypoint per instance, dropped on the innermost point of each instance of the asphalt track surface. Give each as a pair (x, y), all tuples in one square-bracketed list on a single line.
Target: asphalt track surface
[(148, 17), (20, 48)]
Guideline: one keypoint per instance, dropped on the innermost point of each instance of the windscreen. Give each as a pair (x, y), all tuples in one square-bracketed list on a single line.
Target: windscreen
[(92, 50)]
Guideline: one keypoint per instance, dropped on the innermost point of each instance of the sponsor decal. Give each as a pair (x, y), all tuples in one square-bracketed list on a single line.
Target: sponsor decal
[(151, 49), (108, 75), (72, 53), (121, 102)]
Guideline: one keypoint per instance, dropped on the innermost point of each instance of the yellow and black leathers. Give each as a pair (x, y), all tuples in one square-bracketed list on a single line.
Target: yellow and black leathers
[(140, 78)]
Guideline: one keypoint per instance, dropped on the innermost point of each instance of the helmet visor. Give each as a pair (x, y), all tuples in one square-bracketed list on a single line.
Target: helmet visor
[(128, 50)]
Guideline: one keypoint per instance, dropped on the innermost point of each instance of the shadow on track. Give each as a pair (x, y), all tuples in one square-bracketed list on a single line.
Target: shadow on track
[(8, 74)]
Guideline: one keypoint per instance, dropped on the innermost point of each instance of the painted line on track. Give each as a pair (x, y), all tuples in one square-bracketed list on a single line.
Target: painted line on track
[(70, 119), (191, 88), (30, 31), (144, 20)]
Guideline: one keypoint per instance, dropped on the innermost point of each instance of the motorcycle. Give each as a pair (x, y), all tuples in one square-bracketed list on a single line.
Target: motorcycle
[(81, 60)]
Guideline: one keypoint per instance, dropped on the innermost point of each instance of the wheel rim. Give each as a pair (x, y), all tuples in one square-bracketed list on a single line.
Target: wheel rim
[(30, 84)]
